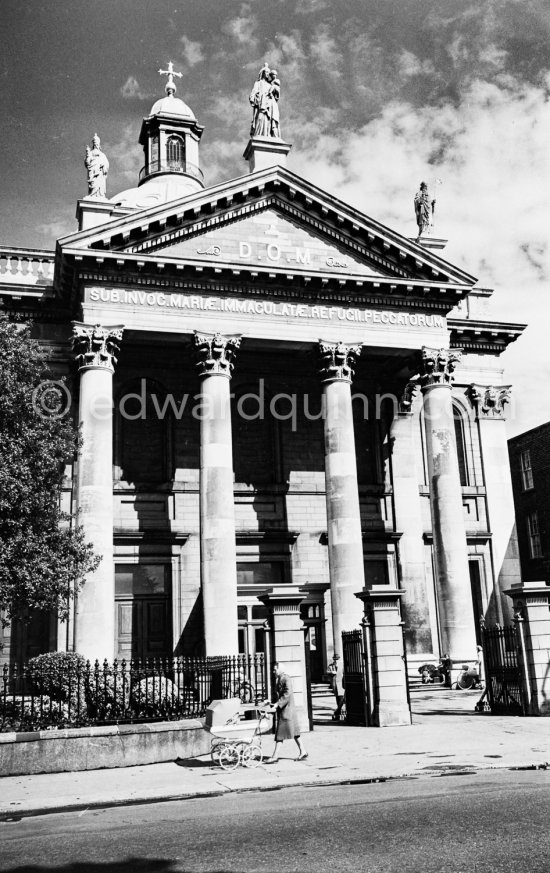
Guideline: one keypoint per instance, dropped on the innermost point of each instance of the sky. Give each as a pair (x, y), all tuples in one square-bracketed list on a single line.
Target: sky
[(376, 95)]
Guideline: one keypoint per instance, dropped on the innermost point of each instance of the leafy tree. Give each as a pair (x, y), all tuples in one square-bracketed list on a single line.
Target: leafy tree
[(43, 556)]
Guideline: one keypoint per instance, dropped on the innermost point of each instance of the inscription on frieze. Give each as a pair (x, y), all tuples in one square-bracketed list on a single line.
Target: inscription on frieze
[(170, 302)]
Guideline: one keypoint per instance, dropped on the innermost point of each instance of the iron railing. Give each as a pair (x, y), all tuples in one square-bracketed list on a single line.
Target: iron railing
[(66, 693), (505, 675)]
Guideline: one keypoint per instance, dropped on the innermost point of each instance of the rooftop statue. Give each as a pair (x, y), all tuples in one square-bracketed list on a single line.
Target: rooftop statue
[(424, 209), (264, 98), (97, 166)]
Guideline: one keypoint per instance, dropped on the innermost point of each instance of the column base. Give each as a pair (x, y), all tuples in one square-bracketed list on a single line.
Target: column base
[(387, 714)]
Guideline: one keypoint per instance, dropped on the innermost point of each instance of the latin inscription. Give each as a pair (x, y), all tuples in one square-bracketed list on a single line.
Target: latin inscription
[(266, 308)]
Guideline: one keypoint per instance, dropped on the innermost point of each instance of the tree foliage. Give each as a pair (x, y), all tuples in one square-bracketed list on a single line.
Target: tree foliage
[(43, 556)]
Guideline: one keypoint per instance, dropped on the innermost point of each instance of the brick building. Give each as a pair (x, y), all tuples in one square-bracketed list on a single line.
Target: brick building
[(277, 393), (530, 468)]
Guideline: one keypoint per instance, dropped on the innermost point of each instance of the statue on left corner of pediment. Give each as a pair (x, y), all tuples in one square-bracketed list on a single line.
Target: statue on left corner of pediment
[(264, 98), (97, 166)]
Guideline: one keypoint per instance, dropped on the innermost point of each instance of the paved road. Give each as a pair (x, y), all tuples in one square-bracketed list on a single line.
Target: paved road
[(487, 822)]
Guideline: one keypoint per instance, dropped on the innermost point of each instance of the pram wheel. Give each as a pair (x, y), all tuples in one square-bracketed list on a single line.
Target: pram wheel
[(230, 756), (217, 746), (252, 754)]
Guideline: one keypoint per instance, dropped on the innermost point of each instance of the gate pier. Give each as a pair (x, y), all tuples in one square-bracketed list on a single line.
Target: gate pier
[(385, 647), (531, 605)]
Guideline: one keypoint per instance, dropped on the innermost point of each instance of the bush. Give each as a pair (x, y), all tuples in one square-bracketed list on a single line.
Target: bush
[(33, 714), (62, 677), (155, 696), (107, 694)]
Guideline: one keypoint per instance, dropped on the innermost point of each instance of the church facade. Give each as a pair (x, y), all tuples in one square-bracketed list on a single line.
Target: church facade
[(277, 394)]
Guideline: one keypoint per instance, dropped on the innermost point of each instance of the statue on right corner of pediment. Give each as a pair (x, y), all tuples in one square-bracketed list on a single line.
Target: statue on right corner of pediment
[(424, 207)]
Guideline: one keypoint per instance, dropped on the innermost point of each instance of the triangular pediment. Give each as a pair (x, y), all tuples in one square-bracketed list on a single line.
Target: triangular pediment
[(269, 220), (268, 238)]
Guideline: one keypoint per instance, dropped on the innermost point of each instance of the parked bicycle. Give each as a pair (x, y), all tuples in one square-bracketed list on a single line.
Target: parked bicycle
[(241, 688), (469, 678)]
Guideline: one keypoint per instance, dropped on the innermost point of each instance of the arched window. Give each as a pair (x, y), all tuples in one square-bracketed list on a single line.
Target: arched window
[(175, 153), (460, 436)]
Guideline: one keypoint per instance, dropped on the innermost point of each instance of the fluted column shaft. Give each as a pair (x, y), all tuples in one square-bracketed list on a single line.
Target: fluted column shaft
[(96, 348), (345, 544), (215, 355), (456, 616)]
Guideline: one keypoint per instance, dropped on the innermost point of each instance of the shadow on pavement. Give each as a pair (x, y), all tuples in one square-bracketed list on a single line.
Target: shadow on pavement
[(192, 763), (129, 865)]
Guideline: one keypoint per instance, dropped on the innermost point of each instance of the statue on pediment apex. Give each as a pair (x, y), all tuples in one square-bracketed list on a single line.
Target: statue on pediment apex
[(264, 98), (97, 166)]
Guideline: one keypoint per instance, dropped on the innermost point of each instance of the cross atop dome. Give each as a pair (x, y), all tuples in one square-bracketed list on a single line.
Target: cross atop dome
[(170, 86)]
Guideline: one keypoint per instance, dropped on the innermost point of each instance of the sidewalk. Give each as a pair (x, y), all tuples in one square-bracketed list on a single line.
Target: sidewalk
[(447, 736)]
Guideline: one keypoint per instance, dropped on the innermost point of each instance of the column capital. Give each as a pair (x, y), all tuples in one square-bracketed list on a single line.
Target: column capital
[(97, 345), (215, 353), (337, 361), (489, 401), (438, 366)]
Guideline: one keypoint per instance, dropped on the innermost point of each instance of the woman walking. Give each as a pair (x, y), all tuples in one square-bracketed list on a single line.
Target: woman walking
[(287, 717)]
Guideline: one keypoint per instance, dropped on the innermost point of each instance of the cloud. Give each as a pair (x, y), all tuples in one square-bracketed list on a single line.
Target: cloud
[(191, 51), (410, 65), (488, 148), (56, 229), (126, 159), (131, 90), (242, 28)]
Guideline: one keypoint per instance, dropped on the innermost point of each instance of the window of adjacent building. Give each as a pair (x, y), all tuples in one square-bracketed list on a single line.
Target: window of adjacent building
[(175, 153), (526, 470), (535, 548)]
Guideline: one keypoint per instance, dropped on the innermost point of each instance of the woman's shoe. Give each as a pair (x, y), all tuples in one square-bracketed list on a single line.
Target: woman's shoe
[(302, 757), (271, 760)]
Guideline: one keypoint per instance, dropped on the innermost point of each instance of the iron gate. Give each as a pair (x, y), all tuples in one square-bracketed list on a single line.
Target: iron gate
[(504, 671), (355, 679)]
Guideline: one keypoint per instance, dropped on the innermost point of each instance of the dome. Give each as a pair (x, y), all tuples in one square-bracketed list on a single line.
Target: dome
[(171, 105)]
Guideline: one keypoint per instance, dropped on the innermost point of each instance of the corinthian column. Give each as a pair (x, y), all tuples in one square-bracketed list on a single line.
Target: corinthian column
[(215, 354), (345, 544), (95, 349), (456, 615)]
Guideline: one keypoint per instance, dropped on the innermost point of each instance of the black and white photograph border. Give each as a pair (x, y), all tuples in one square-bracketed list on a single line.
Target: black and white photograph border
[(274, 436)]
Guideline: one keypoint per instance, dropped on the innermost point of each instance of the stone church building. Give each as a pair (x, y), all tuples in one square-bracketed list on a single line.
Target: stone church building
[(280, 397)]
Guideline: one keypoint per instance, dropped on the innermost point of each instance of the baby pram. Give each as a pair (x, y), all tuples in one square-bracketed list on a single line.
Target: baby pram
[(236, 738)]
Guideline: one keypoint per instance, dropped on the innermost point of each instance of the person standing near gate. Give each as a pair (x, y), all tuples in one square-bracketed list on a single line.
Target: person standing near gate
[(288, 726), (336, 671)]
